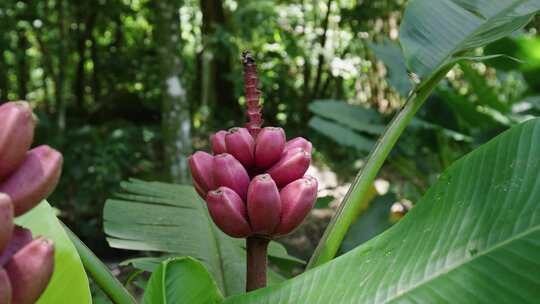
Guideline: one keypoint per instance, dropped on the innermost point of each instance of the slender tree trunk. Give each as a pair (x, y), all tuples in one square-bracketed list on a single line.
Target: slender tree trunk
[(96, 84), (62, 61), (46, 97), (83, 36), (322, 41), (176, 120), (23, 71), (217, 89), (4, 82), (48, 69)]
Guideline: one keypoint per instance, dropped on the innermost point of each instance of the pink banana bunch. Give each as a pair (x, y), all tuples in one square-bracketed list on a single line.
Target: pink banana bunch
[(26, 177), (254, 183)]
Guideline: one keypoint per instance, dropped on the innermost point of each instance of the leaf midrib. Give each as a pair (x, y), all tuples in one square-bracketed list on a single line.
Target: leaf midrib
[(465, 261)]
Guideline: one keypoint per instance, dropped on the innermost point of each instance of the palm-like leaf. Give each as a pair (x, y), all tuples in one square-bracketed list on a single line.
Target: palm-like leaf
[(473, 238)]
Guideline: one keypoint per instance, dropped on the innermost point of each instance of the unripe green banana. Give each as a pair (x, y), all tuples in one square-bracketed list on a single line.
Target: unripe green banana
[(35, 178), (30, 270), (16, 134)]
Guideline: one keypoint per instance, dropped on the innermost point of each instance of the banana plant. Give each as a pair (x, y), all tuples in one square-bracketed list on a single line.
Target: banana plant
[(473, 238)]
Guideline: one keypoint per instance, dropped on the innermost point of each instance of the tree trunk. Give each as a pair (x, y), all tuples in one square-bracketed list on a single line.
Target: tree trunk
[(4, 82), (217, 88), (96, 83), (62, 61), (176, 120), (82, 36), (23, 72)]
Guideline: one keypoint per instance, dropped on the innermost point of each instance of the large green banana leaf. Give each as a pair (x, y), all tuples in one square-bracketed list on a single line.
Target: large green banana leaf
[(473, 238), (435, 33), (172, 219), (181, 281)]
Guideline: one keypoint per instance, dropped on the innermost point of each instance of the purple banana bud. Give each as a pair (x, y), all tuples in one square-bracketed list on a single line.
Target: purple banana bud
[(293, 164), (228, 212), (269, 146), (35, 178), (20, 238), (6, 221), (30, 270), (297, 199), (5, 287), (241, 145), (299, 142), (201, 164), (263, 204), (230, 173), (218, 142), (16, 134)]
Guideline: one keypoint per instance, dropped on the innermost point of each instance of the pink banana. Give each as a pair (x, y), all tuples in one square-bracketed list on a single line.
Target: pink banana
[(297, 199), (35, 178), (228, 212), (30, 270), (16, 135), (263, 204)]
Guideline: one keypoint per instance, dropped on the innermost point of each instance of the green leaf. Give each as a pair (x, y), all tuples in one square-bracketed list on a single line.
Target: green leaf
[(150, 264), (99, 272), (173, 219), (422, 124), (69, 283), (486, 95), (324, 202), (341, 135), (181, 280), (435, 33), (473, 238), (467, 113), (355, 117), (390, 54), (370, 223)]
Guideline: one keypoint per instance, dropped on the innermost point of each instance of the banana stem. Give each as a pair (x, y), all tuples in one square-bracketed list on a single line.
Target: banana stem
[(100, 273), (256, 262)]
